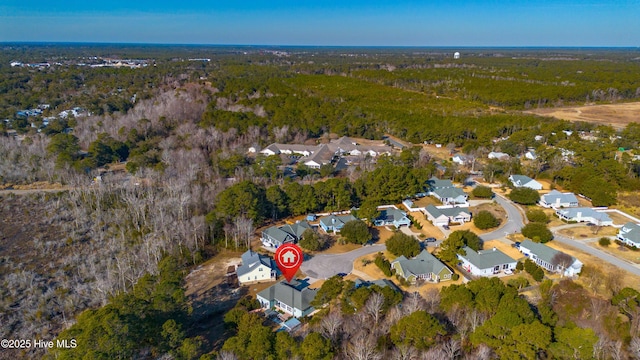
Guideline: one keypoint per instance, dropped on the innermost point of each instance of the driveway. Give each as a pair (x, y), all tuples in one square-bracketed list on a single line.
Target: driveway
[(514, 220), (325, 266)]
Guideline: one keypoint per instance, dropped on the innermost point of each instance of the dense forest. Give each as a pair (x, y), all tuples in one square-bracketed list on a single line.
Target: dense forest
[(157, 179)]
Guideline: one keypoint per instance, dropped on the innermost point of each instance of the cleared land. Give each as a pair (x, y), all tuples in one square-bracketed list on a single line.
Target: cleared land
[(616, 115), (584, 232), (619, 252), (626, 278)]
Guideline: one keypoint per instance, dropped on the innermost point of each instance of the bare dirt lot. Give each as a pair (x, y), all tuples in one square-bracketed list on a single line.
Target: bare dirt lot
[(616, 115)]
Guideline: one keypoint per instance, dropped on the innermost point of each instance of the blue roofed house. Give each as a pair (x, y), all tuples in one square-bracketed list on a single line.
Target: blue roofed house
[(525, 181), (294, 299), (256, 268), (335, 222), (544, 256), (555, 199), (392, 216), (486, 262), (587, 215), (289, 233), (630, 234), (424, 266)]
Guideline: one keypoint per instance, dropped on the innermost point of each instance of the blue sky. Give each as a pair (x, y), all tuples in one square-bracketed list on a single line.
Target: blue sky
[(326, 22)]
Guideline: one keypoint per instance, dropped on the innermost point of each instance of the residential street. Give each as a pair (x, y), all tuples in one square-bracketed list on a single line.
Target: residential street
[(584, 246), (324, 266), (514, 221)]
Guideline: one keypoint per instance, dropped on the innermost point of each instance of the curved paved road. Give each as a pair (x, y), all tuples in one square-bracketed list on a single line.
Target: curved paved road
[(325, 266), (514, 220)]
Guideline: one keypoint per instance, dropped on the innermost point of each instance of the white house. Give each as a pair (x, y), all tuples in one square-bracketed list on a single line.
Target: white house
[(444, 216), (486, 262), (555, 199), (256, 268), (498, 155), (544, 256), (630, 234), (322, 156), (525, 181), (587, 215), (270, 150), (530, 155), (460, 159)]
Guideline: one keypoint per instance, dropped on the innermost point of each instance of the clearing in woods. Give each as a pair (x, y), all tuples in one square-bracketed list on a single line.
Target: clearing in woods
[(616, 115)]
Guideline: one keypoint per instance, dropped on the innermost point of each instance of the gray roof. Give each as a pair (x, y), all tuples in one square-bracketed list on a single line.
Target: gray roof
[(542, 251), (631, 232), (424, 263), (448, 212), (285, 232), (554, 195), (451, 193), (328, 220), (295, 296), (435, 183), (391, 214), (520, 180), (380, 282), (571, 213), (273, 148), (275, 232), (485, 259), (251, 260), (322, 155)]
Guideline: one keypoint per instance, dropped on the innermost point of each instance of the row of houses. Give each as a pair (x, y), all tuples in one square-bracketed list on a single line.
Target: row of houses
[(565, 204), (315, 156), (487, 262), (492, 261), (275, 236)]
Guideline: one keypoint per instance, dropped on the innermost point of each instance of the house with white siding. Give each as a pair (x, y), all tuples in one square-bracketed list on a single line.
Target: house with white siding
[(486, 262), (256, 268), (445, 216), (630, 234), (587, 215), (544, 256), (524, 181), (555, 199)]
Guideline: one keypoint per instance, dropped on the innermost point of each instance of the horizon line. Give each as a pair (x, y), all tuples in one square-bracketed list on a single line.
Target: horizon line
[(322, 46)]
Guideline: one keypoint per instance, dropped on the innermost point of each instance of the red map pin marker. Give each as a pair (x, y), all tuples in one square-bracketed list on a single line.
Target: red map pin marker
[(289, 258)]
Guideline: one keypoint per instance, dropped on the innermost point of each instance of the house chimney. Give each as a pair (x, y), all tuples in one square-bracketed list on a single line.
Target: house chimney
[(558, 202)]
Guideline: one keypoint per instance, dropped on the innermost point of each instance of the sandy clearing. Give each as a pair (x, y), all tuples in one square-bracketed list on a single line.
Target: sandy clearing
[(616, 115)]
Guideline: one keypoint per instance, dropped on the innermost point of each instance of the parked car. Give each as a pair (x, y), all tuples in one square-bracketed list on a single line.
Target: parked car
[(508, 272), (446, 227), (431, 239)]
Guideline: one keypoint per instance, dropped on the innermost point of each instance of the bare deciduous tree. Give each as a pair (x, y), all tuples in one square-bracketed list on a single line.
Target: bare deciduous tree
[(362, 347), (373, 306), (451, 348), (561, 261), (331, 325)]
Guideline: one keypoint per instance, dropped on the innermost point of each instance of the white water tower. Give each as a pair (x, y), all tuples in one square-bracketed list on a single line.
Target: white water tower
[(456, 55)]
